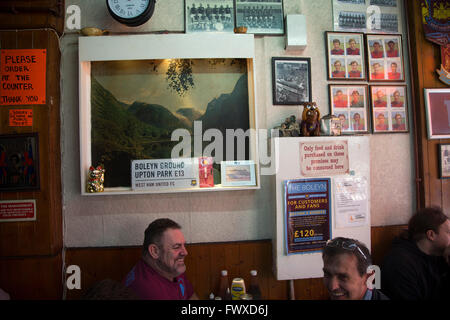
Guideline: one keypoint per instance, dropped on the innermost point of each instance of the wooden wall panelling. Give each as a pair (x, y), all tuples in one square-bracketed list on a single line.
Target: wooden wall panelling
[(32, 278), (43, 236), (31, 14)]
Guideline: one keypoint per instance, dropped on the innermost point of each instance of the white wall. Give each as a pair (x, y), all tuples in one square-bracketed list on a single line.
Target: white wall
[(216, 216)]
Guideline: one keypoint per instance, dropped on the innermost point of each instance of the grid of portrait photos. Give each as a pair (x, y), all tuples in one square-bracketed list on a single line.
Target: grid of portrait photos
[(385, 57), (389, 109), (260, 16), (209, 16), (380, 16), (345, 56), (349, 104)]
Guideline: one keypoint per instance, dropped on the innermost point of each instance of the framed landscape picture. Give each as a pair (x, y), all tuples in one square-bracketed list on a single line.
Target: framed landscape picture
[(389, 109), (385, 58), (291, 79), (345, 56), (349, 104)]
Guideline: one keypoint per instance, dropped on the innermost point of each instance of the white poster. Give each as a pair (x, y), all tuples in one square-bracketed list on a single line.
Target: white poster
[(164, 174), (351, 202)]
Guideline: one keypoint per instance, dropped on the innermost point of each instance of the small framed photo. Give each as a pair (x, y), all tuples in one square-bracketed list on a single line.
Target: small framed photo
[(385, 58), (19, 154), (389, 109), (291, 80), (438, 113), (209, 16), (260, 17), (345, 56), (238, 173), (350, 104), (444, 161)]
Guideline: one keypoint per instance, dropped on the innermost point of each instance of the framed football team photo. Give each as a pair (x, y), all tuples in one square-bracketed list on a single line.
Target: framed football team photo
[(385, 58), (209, 16), (444, 161), (260, 17), (389, 109), (291, 80), (345, 55), (350, 104)]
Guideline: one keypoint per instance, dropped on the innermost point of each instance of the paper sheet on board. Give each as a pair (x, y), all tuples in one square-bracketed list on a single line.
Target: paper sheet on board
[(351, 202)]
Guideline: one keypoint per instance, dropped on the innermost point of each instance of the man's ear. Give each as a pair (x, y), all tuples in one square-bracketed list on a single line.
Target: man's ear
[(430, 235), (153, 250)]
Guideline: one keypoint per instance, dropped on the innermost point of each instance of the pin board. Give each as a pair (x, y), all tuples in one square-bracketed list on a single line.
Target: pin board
[(331, 176)]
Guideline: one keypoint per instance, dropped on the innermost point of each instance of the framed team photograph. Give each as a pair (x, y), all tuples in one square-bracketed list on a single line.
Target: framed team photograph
[(385, 58), (19, 154), (260, 17), (345, 55), (367, 16), (291, 80), (350, 104), (209, 16), (389, 109), (444, 161), (438, 113)]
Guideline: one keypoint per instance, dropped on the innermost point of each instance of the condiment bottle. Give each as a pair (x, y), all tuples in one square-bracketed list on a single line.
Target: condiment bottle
[(254, 288), (224, 287)]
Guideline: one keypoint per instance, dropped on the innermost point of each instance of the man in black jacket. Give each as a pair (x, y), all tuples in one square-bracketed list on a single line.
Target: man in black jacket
[(418, 265)]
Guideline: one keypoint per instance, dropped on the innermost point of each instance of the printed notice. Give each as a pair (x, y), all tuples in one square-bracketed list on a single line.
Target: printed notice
[(17, 210), (351, 203), (21, 117), (22, 76), (307, 205), (164, 174), (324, 158)]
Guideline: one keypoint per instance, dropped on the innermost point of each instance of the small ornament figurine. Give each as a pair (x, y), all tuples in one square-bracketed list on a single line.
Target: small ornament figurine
[(310, 125), (96, 177)]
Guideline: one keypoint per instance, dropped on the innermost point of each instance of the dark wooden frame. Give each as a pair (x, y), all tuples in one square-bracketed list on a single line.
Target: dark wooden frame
[(348, 109), (386, 60), (10, 145), (345, 56), (389, 109), (275, 84)]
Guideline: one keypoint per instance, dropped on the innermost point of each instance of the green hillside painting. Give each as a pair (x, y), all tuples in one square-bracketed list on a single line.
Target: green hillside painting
[(136, 105)]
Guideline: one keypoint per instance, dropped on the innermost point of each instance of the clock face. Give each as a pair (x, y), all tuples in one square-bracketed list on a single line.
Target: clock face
[(128, 9)]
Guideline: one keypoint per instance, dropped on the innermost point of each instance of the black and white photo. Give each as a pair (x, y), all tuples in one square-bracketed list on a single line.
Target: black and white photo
[(291, 80), (209, 16), (260, 17)]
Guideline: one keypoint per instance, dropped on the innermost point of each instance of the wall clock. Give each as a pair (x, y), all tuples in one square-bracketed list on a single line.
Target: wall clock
[(132, 13)]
